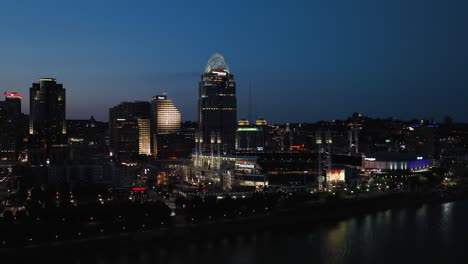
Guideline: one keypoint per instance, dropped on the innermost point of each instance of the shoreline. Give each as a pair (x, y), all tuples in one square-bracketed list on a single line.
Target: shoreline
[(299, 216)]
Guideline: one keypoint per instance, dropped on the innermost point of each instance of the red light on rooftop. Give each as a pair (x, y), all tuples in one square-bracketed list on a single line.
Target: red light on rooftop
[(12, 95)]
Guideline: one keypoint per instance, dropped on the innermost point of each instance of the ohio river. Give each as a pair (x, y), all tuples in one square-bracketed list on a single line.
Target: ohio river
[(436, 233)]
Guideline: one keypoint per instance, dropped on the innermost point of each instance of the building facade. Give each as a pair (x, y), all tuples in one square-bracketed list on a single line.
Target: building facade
[(47, 122), (217, 104), (129, 131), (395, 161), (87, 138), (165, 116), (251, 138), (165, 125), (15, 99), (9, 129)]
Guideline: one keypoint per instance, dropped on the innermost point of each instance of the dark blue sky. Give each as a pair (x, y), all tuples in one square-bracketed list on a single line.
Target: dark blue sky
[(306, 60)]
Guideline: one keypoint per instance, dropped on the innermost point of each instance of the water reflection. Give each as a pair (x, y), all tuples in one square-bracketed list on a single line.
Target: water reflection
[(446, 223), (336, 244), (428, 234)]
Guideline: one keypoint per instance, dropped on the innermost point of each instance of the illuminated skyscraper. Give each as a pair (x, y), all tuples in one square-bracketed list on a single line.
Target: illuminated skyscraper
[(165, 115), (165, 122), (129, 127), (217, 103), (144, 137), (47, 123)]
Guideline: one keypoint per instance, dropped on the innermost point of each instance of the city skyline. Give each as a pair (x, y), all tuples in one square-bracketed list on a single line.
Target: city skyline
[(234, 131), (321, 61)]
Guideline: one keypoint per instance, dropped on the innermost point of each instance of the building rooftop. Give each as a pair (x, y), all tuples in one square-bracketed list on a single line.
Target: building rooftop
[(216, 62)]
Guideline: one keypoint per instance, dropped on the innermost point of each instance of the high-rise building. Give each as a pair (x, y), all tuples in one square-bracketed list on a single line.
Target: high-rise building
[(217, 103), (129, 128), (10, 128), (15, 99), (144, 137), (165, 123), (9, 125), (47, 123), (165, 115)]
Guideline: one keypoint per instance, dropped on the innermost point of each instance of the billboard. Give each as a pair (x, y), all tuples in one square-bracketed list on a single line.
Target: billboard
[(335, 175)]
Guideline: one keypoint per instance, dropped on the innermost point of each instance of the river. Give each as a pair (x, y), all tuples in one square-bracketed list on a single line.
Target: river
[(434, 233)]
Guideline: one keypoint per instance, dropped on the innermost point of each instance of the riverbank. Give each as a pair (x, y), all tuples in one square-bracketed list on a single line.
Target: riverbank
[(296, 217)]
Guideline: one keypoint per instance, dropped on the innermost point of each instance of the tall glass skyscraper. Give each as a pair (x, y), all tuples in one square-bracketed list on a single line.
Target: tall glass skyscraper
[(217, 103), (47, 122)]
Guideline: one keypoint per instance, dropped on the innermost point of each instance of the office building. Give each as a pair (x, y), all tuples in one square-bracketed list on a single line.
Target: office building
[(217, 104), (144, 136), (165, 115), (10, 128), (129, 131), (9, 125), (166, 126), (87, 138), (15, 99), (47, 122)]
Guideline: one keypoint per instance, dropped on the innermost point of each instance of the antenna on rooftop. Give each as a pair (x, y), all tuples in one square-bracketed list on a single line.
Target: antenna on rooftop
[(249, 115)]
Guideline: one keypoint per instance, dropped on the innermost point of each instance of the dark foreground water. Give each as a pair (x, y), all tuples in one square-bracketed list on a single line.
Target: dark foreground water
[(429, 234)]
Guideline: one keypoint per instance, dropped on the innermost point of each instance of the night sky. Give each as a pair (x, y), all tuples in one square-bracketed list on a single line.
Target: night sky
[(305, 60)]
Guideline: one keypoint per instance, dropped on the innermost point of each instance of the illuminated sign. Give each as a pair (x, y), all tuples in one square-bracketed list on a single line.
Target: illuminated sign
[(121, 119), (245, 164), (219, 72), (160, 97), (369, 159), (419, 158), (335, 175), (128, 164), (247, 129), (139, 189), (13, 95)]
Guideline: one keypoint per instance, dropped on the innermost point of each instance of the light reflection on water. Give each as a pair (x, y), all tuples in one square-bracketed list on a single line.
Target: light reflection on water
[(428, 234)]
